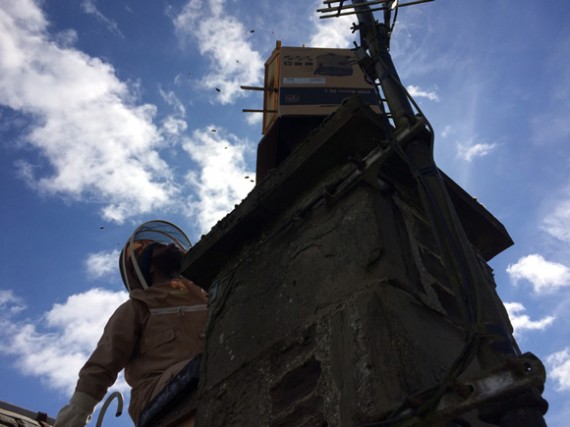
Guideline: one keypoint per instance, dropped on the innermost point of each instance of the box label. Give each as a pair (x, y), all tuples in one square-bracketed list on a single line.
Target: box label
[(304, 80)]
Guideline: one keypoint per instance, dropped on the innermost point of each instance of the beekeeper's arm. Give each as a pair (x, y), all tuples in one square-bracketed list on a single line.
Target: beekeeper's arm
[(113, 351)]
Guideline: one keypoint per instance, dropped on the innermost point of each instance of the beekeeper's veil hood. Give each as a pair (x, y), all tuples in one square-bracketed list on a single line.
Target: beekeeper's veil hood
[(133, 259)]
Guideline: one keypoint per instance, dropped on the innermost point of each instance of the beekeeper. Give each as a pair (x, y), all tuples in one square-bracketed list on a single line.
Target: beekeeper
[(153, 335)]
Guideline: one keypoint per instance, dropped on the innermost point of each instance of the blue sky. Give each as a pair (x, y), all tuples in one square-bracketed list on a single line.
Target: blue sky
[(109, 116)]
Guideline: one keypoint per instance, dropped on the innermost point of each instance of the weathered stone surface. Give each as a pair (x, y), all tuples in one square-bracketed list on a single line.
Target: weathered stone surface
[(336, 302), (330, 307)]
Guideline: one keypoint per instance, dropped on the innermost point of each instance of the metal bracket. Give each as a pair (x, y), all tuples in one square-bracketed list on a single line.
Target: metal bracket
[(332, 11), (518, 375)]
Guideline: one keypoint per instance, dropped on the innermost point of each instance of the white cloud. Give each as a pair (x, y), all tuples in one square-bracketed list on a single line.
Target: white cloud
[(99, 143), (66, 38), (521, 322), (542, 274), (447, 130), (559, 367), (254, 119), (557, 222), (223, 180), (102, 264), (417, 92), (174, 124), (332, 32), (469, 152), (10, 304), (90, 8), (222, 39), (55, 347), (171, 99)]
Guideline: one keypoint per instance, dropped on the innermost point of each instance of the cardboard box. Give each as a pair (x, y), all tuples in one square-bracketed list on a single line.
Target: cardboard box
[(304, 81)]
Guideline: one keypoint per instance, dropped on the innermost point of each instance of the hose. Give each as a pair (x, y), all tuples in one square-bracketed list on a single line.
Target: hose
[(120, 400)]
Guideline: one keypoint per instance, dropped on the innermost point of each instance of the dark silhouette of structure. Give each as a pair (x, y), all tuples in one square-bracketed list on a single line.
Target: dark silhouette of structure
[(351, 287)]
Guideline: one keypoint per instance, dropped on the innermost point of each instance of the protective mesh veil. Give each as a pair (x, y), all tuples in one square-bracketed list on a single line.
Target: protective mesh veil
[(148, 233)]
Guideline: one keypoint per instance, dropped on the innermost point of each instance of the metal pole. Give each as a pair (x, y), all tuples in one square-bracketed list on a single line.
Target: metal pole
[(374, 37)]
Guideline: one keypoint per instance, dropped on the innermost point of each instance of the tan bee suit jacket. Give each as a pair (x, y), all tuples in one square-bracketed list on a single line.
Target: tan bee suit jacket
[(152, 336)]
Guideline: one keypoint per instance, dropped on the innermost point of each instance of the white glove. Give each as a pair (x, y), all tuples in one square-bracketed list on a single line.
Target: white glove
[(77, 412)]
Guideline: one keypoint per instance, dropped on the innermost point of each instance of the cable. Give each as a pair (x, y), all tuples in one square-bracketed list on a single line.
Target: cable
[(449, 244)]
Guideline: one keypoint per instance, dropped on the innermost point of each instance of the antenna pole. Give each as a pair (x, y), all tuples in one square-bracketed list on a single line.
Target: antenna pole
[(375, 38)]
